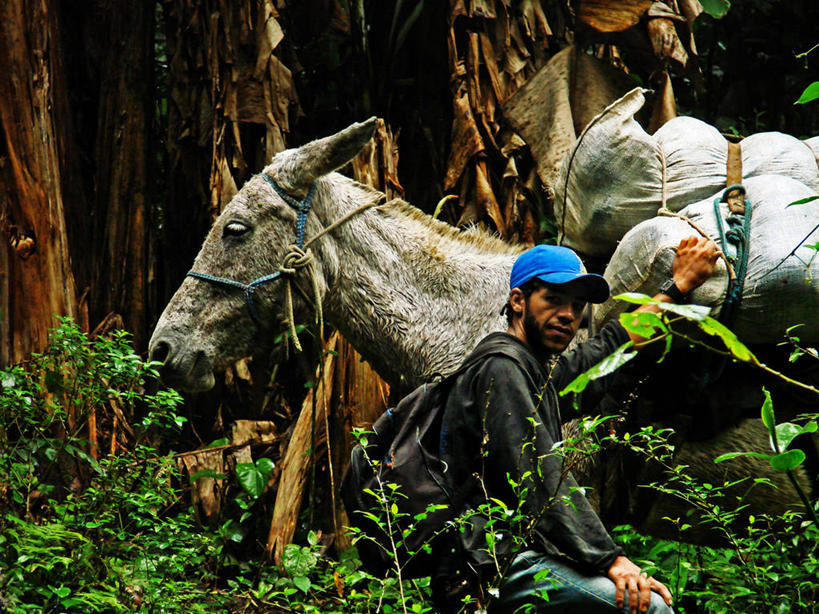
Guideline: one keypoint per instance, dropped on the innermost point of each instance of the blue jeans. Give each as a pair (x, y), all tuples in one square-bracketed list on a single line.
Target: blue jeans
[(568, 589)]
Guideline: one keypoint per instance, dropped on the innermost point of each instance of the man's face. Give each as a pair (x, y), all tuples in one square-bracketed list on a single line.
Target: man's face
[(551, 318)]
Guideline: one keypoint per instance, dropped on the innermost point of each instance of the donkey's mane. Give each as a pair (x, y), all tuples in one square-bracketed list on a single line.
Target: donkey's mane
[(478, 238), (451, 236)]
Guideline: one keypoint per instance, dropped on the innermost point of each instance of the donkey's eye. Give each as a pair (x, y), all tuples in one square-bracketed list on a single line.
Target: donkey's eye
[(235, 229)]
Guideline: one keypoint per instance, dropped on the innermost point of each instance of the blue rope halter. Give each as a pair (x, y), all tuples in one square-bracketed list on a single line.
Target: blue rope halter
[(302, 207)]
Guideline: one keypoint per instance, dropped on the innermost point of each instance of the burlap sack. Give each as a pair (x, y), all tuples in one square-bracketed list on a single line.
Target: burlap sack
[(782, 280), (617, 175)]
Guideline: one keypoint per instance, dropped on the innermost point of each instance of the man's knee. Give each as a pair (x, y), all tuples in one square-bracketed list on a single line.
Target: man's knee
[(658, 605)]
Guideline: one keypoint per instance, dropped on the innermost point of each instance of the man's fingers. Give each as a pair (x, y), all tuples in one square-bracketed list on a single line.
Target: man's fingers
[(633, 595), (620, 593), (659, 587), (645, 592)]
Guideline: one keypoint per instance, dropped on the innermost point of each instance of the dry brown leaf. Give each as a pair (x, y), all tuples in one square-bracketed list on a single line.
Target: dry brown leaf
[(377, 163), (243, 432), (469, 213), (612, 15), (485, 197), (665, 42), (664, 107), (466, 140), (458, 9), (338, 580), (549, 118), (488, 55), (227, 189), (482, 8), (242, 368), (690, 9), (519, 31), (514, 63), (282, 93), (510, 142), (532, 11), (472, 69)]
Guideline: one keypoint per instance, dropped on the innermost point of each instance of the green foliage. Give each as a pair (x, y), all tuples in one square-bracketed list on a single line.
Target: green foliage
[(810, 94), (716, 8), (113, 534), (765, 564), (86, 535)]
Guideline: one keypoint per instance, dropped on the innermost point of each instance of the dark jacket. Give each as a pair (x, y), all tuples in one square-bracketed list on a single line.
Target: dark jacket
[(500, 419)]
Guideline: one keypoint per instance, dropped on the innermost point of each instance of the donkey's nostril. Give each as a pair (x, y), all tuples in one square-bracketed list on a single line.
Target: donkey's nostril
[(160, 351)]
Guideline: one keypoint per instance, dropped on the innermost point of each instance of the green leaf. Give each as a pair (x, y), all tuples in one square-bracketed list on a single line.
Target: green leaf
[(768, 418), (62, 591), (217, 443), (265, 467), (691, 312), (732, 455), (298, 560), (787, 432), (643, 323), (609, 364), (788, 461), (7, 380), (234, 531), (803, 201), (302, 583), (811, 93), (717, 329), (716, 8), (251, 479), (299, 329)]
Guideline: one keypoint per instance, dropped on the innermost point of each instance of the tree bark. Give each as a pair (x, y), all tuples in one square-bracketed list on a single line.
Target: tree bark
[(37, 279), (122, 242)]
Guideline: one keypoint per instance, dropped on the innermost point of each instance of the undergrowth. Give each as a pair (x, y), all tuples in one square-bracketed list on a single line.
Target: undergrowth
[(97, 518)]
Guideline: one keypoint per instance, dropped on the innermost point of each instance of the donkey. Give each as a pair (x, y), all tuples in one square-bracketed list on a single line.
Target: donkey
[(412, 294)]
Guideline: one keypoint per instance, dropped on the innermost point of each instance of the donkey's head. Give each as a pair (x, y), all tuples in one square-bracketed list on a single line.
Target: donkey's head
[(233, 301)]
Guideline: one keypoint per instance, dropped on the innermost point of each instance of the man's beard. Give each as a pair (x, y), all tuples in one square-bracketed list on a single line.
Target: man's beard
[(534, 337)]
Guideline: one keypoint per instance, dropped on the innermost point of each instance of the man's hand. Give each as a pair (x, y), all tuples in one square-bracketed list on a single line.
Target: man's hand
[(694, 263), (626, 576)]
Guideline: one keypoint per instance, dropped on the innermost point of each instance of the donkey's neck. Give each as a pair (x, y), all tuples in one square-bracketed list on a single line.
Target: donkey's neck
[(412, 294)]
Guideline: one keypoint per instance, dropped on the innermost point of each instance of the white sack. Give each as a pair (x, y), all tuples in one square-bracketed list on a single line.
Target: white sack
[(612, 178), (813, 143), (773, 298)]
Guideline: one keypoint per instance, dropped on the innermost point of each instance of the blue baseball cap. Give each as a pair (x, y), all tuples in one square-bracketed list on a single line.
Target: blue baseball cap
[(555, 264)]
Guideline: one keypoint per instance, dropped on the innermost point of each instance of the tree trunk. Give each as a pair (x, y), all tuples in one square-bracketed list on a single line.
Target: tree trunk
[(121, 243), (37, 280)]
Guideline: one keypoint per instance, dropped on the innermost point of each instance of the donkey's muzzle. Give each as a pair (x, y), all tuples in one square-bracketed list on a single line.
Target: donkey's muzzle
[(182, 366)]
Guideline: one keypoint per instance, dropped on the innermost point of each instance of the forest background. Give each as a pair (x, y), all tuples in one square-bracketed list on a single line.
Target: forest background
[(127, 126)]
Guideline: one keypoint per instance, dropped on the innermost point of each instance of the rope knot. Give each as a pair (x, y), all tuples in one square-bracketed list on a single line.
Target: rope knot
[(296, 258)]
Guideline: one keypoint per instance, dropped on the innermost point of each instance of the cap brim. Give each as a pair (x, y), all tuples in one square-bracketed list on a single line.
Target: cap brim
[(593, 288)]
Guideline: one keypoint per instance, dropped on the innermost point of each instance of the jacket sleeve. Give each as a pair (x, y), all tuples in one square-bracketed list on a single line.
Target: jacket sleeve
[(581, 358), (520, 439)]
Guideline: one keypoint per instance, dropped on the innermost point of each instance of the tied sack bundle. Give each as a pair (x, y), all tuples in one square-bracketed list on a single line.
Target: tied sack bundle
[(617, 175), (781, 282)]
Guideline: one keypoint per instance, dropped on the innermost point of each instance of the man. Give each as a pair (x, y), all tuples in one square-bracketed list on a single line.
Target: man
[(503, 417)]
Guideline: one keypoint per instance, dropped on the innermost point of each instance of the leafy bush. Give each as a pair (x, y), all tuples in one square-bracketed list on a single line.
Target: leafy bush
[(82, 534)]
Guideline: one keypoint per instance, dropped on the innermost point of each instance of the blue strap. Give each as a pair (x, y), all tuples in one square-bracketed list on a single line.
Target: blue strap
[(303, 208)]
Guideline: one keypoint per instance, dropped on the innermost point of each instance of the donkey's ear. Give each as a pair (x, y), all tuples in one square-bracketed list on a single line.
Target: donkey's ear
[(296, 169)]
